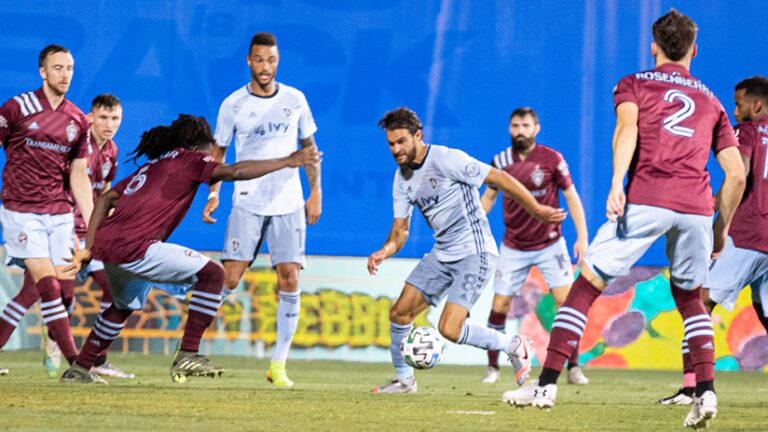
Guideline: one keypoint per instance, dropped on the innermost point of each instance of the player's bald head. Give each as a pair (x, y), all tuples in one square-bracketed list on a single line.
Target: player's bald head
[(675, 34)]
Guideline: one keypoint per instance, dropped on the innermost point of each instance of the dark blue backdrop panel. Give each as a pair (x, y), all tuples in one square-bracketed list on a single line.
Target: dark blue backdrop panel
[(462, 65)]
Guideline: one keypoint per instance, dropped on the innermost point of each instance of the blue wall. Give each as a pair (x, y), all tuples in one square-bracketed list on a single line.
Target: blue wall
[(462, 65)]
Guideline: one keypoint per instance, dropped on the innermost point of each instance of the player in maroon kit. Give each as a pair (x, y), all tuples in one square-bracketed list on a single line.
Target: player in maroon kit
[(745, 258), (527, 241), (148, 205), (667, 122), (44, 136)]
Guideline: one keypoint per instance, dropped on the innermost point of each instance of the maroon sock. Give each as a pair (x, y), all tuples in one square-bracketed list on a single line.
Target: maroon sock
[(16, 308), (100, 277), (55, 315), (496, 321), (205, 301), (573, 360), (699, 332), (105, 330), (68, 294), (569, 323)]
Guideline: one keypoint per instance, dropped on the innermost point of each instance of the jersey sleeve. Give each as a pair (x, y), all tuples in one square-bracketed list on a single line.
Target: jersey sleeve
[(9, 113), (401, 203), (200, 166), (625, 91), (562, 174), (746, 136), (80, 149), (225, 124), (307, 126), (464, 168), (723, 135), (113, 171)]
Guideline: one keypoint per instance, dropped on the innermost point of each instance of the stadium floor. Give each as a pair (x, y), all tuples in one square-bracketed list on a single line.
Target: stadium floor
[(336, 396)]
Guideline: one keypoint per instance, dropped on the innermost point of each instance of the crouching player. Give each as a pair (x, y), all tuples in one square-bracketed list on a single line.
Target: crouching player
[(148, 206)]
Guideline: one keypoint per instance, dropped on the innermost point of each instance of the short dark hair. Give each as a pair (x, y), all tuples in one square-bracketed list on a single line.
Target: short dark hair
[(50, 49), (756, 86), (262, 39), (400, 118), (524, 111), (105, 100), (186, 131), (675, 34)]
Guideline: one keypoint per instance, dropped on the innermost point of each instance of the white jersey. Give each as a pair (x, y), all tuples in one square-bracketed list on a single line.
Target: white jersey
[(444, 188), (266, 128)]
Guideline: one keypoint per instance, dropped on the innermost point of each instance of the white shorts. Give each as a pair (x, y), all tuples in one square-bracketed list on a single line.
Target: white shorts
[(514, 265), (461, 281), (735, 269), (617, 247), (165, 266), (285, 236), (33, 235)]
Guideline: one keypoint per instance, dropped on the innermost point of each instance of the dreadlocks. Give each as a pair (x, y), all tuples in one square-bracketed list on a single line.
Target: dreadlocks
[(187, 131)]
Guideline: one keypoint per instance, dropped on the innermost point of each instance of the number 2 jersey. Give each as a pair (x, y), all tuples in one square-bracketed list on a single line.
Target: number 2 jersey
[(749, 229), (679, 121), (153, 201)]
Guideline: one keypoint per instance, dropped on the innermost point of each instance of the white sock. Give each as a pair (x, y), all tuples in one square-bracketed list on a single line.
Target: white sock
[(288, 308), (483, 337)]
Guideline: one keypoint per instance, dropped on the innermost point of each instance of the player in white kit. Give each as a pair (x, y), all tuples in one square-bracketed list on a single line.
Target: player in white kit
[(442, 183), (267, 119)]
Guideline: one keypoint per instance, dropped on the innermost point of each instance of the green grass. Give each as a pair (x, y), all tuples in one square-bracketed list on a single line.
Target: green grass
[(336, 396)]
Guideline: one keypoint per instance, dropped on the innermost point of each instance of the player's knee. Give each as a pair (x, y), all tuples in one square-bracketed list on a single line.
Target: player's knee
[(449, 330), (501, 303), (398, 315), (212, 272), (287, 278)]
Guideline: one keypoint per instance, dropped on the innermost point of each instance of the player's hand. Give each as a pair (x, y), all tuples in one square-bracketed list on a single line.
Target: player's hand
[(210, 207), (549, 214), (314, 207), (720, 232), (374, 260), (580, 249), (305, 156), (80, 258), (614, 207)]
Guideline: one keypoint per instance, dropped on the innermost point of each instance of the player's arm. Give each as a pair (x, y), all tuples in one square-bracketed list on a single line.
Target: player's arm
[(730, 195), (398, 235), (314, 206), (218, 153), (624, 145), (252, 169), (104, 204), (489, 199), (81, 186), (579, 220), (515, 190), (747, 170)]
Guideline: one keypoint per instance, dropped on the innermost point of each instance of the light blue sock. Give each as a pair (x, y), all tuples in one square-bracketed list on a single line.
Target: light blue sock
[(397, 333), (483, 337)]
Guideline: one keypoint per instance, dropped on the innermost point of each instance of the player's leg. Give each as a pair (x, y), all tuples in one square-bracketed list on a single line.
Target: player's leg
[(497, 320), (286, 235), (760, 299), (16, 308)]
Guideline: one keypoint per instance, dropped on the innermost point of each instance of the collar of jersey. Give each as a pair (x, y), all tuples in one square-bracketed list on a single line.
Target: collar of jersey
[(277, 89), (420, 164)]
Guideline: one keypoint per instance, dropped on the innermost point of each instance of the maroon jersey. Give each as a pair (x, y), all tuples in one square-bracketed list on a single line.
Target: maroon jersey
[(102, 168), (749, 229), (679, 122), (543, 172), (39, 144), (153, 201)]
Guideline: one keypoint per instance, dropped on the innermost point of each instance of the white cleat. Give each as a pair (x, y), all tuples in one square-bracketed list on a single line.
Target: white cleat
[(4, 371), (576, 376), (679, 398), (108, 369), (520, 352), (407, 385), (703, 411), (492, 375), (532, 394)]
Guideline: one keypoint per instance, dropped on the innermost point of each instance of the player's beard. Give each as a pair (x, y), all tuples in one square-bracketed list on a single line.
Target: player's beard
[(263, 87), (521, 143), (55, 89), (410, 156)]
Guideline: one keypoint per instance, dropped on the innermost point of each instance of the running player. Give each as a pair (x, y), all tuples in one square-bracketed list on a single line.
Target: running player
[(44, 136), (745, 258), (267, 118), (148, 206), (442, 183), (667, 122), (530, 242)]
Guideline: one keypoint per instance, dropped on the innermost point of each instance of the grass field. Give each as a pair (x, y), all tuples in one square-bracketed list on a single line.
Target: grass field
[(336, 396)]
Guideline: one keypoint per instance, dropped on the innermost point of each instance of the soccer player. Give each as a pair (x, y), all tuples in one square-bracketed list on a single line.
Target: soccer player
[(148, 206), (667, 122), (530, 242), (745, 258), (267, 119), (442, 183), (44, 136)]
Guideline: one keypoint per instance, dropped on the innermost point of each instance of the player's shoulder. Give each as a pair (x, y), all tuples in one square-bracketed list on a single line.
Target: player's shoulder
[(503, 158), (24, 104), (237, 95), (111, 149), (76, 113), (289, 90)]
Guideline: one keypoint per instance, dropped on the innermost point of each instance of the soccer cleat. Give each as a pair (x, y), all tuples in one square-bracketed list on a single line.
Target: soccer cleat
[(108, 369), (492, 375), (703, 411), (278, 376), (519, 353), (79, 375), (187, 364), (576, 376), (4, 371), (407, 385), (532, 394), (684, 396), (52, 358)]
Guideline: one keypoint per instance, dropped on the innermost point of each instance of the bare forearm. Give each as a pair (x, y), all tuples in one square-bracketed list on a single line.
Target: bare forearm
[(729, 197), (100, 212), (395, 241), (488, 199), (624, 144), (83, 194), (248, 170), (219, 155), (515, 190)]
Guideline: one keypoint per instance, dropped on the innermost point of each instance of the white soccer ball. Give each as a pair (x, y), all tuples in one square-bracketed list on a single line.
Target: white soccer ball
[(422, 348)]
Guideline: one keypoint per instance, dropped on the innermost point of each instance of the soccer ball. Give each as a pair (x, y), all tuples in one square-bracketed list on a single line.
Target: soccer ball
[(422, 348)]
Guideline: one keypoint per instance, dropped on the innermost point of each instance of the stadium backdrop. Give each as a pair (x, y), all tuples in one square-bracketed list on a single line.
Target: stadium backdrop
[(462, 65)]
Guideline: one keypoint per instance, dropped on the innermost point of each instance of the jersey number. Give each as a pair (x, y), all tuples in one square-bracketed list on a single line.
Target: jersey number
[(765, 164), (137, 181), (672, 123)]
